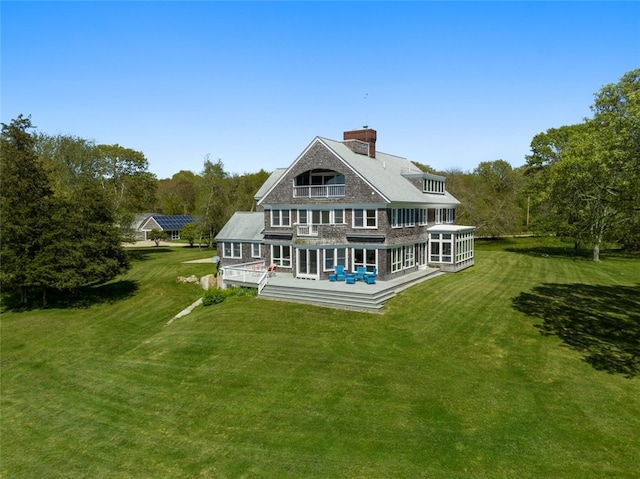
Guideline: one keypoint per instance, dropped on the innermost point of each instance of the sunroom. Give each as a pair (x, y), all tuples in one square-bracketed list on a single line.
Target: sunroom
[(451, 247)]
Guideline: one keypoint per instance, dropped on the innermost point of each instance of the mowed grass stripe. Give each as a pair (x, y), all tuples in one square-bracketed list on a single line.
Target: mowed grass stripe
[(451, 381)]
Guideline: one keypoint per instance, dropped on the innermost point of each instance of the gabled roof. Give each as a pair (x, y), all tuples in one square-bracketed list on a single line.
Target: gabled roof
[(243, 226), (387, 174), (272, 180), (167, 222)]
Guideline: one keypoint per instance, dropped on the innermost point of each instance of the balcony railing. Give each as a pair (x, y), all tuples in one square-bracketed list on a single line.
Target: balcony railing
[(307, 230), (320, 191)]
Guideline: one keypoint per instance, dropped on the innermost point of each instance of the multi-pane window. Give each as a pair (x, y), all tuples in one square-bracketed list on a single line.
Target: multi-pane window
[(445, 215), (256, 250), (440, 248), (329, 259), (281, 255), (232, 250), (333, 257), (409, 217), (464, 247), (280, 217), (422, 216), (430, 185), (364, 257), (409, 256), (396, 259), (396, 217), (403, 217), (365, 218), (404, 257), (321, 217), (421, 254), (320, 177)]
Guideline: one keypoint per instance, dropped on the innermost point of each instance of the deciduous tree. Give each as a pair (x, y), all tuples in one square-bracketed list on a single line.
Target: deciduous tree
[(588, 174)]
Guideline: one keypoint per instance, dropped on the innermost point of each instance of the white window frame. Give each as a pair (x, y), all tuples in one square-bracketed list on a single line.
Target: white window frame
[(366, 219), (337, 216), (396, 259), (464, 247), (367, 265), (277, 256), (278, 218), (409, 256), (333, 257), (409, 217), (232, 249), (256, 253), (430, 185), (438, 243), (396, 217), (422, 216)]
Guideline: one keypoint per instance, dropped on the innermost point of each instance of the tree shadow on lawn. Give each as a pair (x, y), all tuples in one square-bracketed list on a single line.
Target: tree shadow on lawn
[(82, 298), (585, 253), (146, 253), (602, 322), (554, 251)]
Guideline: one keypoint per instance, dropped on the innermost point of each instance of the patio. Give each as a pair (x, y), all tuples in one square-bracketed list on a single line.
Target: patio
[(338, 294)]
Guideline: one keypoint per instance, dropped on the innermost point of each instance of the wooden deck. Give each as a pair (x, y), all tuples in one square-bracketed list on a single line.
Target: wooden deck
[(359, 296)]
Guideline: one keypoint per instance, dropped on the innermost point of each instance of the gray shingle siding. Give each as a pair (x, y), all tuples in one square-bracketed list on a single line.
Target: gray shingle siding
[(319, 156), (381, 183)]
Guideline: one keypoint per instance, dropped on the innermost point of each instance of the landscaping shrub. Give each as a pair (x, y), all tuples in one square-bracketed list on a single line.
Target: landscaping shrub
[(213, 296), (216, 296)]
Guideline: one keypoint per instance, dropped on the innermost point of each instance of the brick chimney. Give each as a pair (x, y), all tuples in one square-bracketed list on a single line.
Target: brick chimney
[(367, 135)]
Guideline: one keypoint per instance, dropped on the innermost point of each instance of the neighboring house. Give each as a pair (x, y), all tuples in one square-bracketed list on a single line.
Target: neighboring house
[(170, 224), (344, 203), (136, 226)]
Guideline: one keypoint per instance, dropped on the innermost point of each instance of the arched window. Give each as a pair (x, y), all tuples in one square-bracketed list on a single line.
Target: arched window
[(319, 183), (320, 177)]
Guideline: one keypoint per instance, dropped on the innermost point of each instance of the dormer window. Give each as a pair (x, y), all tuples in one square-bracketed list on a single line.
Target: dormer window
[(319, 184), (432, 185)]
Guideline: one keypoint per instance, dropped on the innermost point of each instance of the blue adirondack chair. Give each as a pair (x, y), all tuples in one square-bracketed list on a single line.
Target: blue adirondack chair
[(360, 273), (370, 278), (340, 274)]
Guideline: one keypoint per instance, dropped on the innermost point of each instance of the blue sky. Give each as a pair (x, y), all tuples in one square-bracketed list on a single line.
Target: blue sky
[(449, 84)]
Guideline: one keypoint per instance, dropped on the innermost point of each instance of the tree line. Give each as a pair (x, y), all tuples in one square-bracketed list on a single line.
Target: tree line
[(67, 204), (580, 181)]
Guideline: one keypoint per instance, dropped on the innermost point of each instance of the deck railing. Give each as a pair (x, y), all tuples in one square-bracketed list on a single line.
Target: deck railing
[(251, 273), (320, 191)]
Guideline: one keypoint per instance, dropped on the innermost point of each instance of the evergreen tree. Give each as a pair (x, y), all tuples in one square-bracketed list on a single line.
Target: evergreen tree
[(26, 202), (58, 230)]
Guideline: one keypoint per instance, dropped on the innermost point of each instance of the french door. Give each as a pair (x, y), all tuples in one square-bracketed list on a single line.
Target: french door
[(308, 263)]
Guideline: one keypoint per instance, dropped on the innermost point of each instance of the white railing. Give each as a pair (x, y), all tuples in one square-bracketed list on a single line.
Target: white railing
[(307, 230), (321, 191), (245, 272), (255, 272)]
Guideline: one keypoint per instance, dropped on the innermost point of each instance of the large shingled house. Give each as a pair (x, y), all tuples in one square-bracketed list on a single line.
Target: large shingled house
[(344, 203)]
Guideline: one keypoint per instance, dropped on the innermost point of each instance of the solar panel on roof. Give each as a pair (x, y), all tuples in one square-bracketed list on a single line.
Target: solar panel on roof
[(173, 222)]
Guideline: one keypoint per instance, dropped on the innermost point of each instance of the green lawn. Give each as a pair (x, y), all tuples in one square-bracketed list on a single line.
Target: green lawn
[(520, 367)]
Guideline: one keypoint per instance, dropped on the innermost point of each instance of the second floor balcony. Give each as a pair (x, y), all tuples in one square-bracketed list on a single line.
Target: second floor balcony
[(307, 230), (319, 191)]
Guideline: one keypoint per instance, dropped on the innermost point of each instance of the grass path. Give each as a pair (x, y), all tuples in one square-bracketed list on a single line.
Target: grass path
[(452, 381)]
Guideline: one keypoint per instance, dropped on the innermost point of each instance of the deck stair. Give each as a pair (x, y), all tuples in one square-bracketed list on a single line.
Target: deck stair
[(359, 296)]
